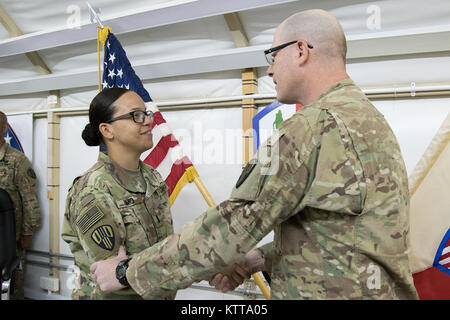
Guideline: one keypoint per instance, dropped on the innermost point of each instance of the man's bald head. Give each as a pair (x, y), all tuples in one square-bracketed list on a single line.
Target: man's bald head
[(319, 28)]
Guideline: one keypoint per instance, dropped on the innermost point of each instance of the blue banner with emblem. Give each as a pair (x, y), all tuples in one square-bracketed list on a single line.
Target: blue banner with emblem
[(19, 134)]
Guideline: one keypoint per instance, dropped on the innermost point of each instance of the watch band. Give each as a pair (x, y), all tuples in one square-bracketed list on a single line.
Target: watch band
[(121, 272)]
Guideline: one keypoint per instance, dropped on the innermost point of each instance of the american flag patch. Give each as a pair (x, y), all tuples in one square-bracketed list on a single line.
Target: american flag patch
[(442, 258), (91, 217)]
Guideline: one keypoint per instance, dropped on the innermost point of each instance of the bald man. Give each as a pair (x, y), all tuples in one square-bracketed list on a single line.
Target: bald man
[(331, 183)]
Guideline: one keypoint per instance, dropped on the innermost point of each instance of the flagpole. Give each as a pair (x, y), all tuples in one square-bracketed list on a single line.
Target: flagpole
[(193, 176)]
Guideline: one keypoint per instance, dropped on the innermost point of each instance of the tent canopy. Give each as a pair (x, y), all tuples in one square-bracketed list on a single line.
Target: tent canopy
[(178, 46)]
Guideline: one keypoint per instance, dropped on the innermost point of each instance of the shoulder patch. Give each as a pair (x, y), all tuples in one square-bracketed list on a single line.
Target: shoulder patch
[(89, 218), (245, 173), (104, 237), (31, 174)]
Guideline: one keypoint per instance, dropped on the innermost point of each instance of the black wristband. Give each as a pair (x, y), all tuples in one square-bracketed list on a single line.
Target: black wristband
[(121, 272)]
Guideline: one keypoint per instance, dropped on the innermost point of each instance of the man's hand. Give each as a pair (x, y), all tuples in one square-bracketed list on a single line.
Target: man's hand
[(232, 276), (105, 272)]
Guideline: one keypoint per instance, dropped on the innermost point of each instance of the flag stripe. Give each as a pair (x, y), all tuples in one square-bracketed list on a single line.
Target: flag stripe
[(178, 169), (444, 262), (173, 155), (446, 250), (160, 151), (445, 256), (159, 132), (152, 107), (158, 119)]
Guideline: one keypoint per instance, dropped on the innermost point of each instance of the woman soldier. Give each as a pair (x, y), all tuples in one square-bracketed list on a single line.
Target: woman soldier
[(120, 201)]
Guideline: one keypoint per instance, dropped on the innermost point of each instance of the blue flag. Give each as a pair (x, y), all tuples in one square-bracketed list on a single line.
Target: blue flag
[(117, 70), (11, 139)]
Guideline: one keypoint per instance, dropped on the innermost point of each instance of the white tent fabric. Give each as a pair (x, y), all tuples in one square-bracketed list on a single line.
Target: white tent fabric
[(362, 21)]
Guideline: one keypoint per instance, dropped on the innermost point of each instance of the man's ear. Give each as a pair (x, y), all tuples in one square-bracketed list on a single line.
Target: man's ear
[(303, 51), (106, 130)]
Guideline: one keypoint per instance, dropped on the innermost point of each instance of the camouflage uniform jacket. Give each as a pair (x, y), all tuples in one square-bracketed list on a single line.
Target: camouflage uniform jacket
[(332, 185), (18, 178), (107, 207)]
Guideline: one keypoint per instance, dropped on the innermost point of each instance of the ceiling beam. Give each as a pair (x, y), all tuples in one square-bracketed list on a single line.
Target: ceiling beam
[(236, 59), (401, 42), (377, 46), (185, 11), (231, 59), (14, 31), (237, 30)]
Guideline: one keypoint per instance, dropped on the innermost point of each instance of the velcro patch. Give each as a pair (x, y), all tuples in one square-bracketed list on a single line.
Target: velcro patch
[(31, 173), (245, 173), (91, 217), (104, 237)]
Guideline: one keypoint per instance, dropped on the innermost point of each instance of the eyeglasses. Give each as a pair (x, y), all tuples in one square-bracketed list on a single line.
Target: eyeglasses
[(270, 58), (138, 116)]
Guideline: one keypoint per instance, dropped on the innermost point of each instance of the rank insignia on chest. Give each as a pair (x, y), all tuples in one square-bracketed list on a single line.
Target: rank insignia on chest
[(104, 237)]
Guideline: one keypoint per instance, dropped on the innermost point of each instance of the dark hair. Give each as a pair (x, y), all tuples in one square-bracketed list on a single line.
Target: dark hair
[(100, 110), (3, 121)]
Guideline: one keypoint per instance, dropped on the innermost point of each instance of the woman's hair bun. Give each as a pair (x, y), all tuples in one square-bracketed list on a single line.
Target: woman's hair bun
[(101, 110), (90, 135)]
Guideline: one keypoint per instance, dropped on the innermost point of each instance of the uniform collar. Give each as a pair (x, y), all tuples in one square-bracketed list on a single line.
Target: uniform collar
[(334, 87), (120, 174)]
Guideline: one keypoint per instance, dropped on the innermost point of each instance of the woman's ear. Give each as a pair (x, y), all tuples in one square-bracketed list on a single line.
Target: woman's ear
[(106, 130)]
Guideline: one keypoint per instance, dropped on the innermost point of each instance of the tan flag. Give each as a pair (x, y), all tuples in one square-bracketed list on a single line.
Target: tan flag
[(429, 186)]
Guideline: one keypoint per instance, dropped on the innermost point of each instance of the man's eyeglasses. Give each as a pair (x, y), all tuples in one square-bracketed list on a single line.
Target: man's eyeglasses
[(270, 58), (137, 116)]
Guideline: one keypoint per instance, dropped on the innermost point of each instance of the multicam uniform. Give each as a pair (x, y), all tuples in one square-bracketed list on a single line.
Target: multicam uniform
[(108, 207), (18, 178), (335, 192)]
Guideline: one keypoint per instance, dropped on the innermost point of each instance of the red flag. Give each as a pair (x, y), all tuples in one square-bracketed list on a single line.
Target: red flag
[(430, 218)]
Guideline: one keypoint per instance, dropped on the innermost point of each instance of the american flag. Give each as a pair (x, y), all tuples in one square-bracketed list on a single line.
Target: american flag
[(166, 156), (442, 260)]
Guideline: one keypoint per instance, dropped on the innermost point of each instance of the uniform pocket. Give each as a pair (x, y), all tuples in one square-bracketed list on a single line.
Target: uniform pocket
[(7, 177), (158, 205), (128, 218), (129, 209)]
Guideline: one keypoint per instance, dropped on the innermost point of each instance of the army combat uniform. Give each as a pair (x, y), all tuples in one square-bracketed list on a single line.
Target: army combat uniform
[(18, 178), (332, 186), (110, 206)]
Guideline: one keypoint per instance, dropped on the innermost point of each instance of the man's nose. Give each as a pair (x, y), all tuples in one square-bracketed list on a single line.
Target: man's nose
[(269, 71)]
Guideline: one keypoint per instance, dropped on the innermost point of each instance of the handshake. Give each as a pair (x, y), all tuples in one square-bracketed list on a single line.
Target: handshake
[(232, 276), (229, 278)]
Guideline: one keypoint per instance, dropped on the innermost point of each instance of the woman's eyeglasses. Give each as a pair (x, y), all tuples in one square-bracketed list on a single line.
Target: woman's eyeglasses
[(138, 116)]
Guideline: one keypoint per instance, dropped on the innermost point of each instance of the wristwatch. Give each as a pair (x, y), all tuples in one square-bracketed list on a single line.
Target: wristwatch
[(121, 272)]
